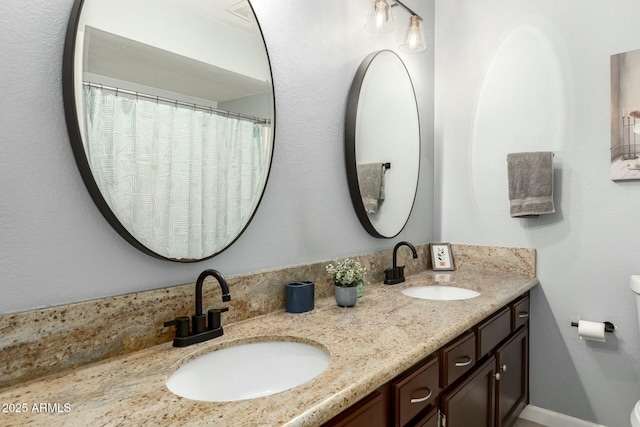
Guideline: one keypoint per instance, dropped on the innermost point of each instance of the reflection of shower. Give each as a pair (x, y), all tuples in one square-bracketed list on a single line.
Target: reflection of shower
[(629, 135), (177, 103)]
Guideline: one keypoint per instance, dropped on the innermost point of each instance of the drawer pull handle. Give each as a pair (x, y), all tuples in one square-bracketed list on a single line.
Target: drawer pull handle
[(467, 363), (422, 399), (523, 315)]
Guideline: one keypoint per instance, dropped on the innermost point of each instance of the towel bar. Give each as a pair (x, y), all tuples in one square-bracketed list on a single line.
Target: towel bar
[(552, 155)]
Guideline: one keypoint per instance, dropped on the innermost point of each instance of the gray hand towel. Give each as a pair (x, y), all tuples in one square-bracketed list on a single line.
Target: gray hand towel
[(371, 184), (530, 183)]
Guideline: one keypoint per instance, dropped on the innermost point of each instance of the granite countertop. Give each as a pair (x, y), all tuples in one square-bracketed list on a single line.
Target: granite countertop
[(369, 344)]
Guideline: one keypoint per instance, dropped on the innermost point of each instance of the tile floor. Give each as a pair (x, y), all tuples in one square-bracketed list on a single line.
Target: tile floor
[(526, 423)]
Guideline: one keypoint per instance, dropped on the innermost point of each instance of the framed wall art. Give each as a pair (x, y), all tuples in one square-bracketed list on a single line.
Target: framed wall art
[(625, 115), (441, 256)]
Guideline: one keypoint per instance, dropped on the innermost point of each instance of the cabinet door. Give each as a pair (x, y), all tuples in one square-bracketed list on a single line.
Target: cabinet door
[(429, 420), (472, 403), (513, 388)]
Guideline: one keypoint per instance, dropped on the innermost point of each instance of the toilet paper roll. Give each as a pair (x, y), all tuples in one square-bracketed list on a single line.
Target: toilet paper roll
[(592, 331)]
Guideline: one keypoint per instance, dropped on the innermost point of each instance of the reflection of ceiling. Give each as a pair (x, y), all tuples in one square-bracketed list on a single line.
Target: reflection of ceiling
[(150, 66), (231, 12)]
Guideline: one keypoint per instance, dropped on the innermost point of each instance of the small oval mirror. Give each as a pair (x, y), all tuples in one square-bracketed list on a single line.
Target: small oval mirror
[(170, 111), (382, 146)]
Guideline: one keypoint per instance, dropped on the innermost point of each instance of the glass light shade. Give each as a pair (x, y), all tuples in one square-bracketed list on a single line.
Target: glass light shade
[(380, 19), (414, 41)]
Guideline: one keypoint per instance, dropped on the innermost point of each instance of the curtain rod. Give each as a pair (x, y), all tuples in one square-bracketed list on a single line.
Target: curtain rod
[(176, 102)]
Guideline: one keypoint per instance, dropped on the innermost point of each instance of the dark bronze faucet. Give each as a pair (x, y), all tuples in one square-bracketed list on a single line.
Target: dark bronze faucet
[(201, 332), (395, 275)]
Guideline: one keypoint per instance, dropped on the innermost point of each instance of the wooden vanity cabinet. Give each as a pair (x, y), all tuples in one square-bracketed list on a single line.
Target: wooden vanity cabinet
[(520, 312), (479, 379), (512, 390), (472, 402), (493, 331), (494, 394), (372, 411), (415, 391), (458, 358), (432, 419)]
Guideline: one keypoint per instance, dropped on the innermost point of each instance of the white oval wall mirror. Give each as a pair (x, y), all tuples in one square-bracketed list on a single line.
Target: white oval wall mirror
[(382, 146), (170, 111)]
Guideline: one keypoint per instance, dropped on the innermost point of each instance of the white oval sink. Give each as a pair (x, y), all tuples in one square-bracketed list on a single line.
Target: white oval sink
[(440, 293), (248, 371)]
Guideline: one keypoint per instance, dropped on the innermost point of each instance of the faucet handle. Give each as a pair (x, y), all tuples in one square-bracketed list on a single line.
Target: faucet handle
[(214, 317), (182, 326)]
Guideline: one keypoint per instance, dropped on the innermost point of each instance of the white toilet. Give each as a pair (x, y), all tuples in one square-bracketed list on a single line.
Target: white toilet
[(635, 287)]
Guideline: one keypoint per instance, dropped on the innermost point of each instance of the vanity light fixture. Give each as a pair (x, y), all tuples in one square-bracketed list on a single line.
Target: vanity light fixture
[(380, 20)]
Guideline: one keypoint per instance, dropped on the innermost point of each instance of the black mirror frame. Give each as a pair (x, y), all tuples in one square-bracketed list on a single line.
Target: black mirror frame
[(350, 148), (75, 137)]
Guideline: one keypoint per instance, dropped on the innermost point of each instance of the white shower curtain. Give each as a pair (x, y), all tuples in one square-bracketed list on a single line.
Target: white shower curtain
[(182, 181)]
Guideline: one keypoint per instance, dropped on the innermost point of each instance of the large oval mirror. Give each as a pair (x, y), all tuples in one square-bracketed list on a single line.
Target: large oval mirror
[(382, 146), (170, 111)]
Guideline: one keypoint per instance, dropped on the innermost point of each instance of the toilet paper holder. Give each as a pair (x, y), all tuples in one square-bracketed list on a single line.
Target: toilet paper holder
[(608, 326)]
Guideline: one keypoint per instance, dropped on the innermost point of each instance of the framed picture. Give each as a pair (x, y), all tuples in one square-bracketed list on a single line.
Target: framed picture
[(441, 256), (625, 116)]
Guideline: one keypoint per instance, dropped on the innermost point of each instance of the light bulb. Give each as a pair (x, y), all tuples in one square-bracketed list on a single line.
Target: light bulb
[(380, 19), (414, 41), (382, 15), (413, 38)]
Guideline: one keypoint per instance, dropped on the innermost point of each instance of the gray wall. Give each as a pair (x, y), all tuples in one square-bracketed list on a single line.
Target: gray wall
[(516, 76), (56, 248), (512, 76)]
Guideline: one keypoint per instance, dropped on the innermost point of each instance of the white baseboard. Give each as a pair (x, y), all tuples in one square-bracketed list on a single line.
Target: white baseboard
[(553, 419)]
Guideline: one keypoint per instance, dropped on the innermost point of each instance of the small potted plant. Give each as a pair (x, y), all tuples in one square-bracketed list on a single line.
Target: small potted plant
[(348, 275)]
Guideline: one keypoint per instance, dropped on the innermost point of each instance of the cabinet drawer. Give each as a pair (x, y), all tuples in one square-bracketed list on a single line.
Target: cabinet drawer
[(457, 358), (493, 331), (519, 313), (416, 391)]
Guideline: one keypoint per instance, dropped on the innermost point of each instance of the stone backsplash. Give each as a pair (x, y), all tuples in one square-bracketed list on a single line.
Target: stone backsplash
[(51, 340)]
